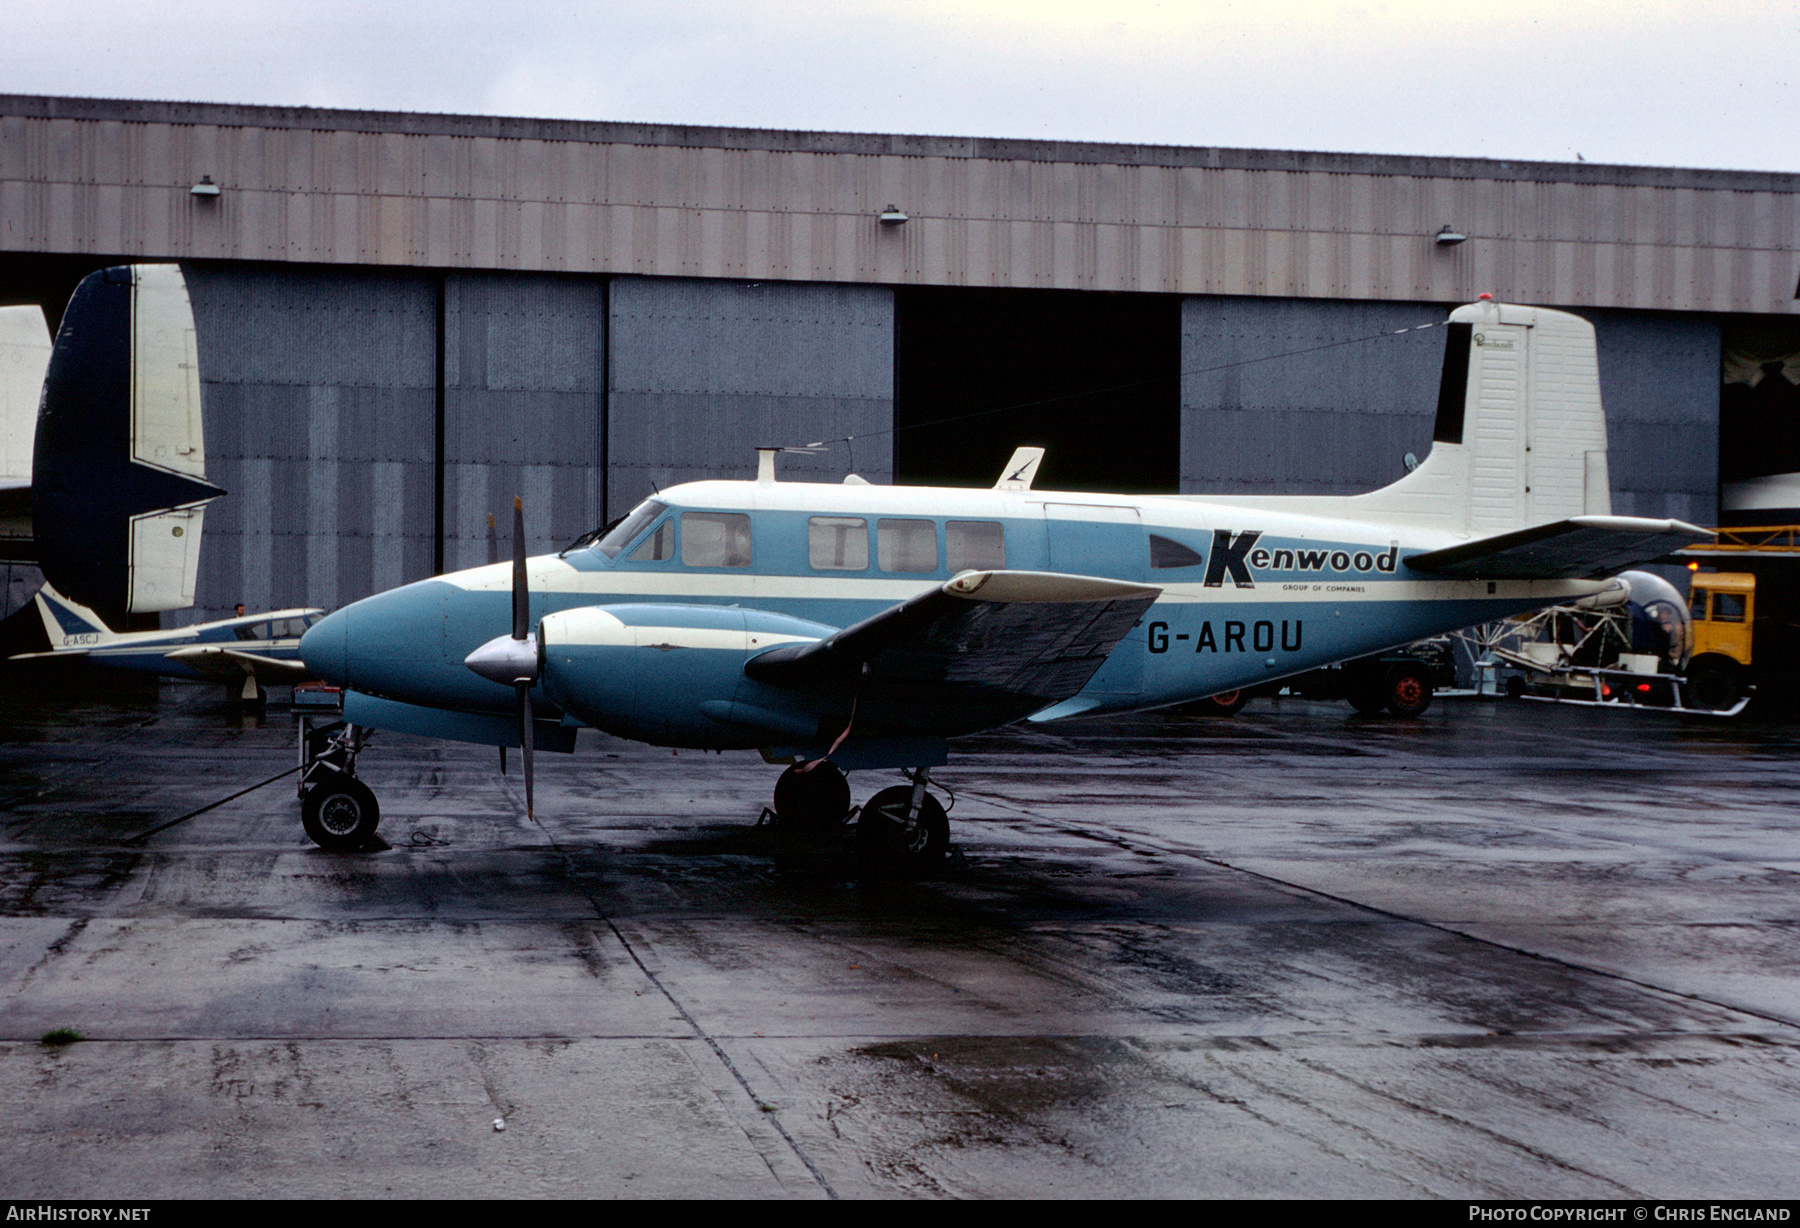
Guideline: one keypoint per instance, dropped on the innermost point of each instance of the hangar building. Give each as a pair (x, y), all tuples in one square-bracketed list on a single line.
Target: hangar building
[(404, 318)]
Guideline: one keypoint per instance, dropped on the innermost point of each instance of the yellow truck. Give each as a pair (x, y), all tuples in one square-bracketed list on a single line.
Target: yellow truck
[(1722, 607)]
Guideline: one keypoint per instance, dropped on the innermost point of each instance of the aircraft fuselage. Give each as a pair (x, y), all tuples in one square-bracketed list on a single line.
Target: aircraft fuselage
[(1248, 595)]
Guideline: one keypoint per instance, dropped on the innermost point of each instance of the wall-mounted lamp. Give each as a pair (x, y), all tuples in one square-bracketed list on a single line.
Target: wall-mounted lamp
[(206, 187), (891, 216), (1449, 237)]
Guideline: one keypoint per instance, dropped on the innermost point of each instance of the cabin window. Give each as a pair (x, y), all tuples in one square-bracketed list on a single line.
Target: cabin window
[(1728, 607), (975, 544), (627, 529), (658, 546), (837, 543), (715, 539), (1165, 552), (907, 545)]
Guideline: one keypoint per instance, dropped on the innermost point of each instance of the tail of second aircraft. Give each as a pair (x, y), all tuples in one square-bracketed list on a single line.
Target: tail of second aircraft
[(69, 624)]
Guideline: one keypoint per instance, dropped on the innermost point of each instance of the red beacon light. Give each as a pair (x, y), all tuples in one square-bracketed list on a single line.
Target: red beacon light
[(1485, 296)]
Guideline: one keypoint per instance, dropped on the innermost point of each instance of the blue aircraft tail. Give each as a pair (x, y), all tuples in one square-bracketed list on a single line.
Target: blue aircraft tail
[(69, 624)]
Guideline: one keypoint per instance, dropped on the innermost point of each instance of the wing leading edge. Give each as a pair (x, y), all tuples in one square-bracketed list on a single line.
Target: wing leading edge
[(1580, 548)]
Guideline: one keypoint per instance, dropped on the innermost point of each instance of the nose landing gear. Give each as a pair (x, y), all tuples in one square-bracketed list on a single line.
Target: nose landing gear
[(339, 811)]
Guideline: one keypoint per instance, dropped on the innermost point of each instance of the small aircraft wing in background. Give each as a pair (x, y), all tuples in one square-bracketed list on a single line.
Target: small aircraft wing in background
[(217, 663), (1580, 548)]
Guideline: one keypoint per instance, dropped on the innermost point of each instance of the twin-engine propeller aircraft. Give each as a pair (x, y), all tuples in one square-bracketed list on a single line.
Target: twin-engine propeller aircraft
[(859, 626)]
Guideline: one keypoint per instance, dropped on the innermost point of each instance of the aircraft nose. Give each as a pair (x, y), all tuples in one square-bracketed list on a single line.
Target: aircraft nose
[(325, 648)]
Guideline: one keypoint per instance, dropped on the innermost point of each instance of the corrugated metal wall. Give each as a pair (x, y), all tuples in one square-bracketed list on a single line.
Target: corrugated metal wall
[(322, 411), (705, 372), (1659, 382), (87, 175), (524, 409), (1295, 397), (320, 401), (1292, 397)]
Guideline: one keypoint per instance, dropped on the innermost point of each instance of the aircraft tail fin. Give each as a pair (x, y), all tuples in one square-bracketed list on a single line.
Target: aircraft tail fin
[(119, 481), (1520, 434), (69, 624)]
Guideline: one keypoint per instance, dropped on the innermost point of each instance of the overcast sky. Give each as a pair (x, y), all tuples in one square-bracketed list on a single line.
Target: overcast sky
[(1645, 82)]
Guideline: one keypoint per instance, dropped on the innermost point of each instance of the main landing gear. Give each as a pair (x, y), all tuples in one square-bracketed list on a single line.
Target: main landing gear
[(339, 812), (902, 830)]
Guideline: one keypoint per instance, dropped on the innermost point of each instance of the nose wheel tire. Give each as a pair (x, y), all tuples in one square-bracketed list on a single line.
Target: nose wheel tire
[(813, 801), (340, 813), (888, 842)]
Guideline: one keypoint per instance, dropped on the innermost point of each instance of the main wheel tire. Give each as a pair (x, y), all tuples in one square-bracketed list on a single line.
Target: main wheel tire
[(1225, 703), (340, 813), (813, 801), (1712, 686), (887, 842), (1408, 690), (1515, 686)]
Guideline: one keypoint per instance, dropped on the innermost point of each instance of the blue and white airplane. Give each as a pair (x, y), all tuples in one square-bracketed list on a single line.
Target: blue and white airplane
[(858, 626), (245, 653)]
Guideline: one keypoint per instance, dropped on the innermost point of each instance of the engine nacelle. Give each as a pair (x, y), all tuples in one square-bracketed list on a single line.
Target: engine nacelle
[(673, 675)]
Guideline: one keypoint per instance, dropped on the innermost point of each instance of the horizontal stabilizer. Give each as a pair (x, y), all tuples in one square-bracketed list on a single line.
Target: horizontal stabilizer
[(1005, 642), (1581, 548), (65, 653)]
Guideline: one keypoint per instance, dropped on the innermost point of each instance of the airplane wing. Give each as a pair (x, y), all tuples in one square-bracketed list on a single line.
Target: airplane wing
[(229, 665), (982, 644), (1581, 548)]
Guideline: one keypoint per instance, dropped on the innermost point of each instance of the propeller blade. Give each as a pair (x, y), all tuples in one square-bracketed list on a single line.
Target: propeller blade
[(525, 728), (493, 542), (521, 591)]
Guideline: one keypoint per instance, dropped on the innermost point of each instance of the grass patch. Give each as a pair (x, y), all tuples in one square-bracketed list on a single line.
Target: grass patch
[(60, 1036)]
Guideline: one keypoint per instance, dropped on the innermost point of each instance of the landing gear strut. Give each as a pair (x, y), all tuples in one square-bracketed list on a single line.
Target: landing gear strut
[(339, 812), (903, 829)]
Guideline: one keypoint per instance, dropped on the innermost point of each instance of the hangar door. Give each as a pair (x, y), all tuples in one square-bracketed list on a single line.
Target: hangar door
[(1092, 377)]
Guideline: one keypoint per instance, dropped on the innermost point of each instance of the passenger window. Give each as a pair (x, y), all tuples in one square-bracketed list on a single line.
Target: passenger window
[(906, 545), (1728, 607), (1165, 552), (658, 546), (837, 543), (715, 539), (1697, 607), (975, 544)]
